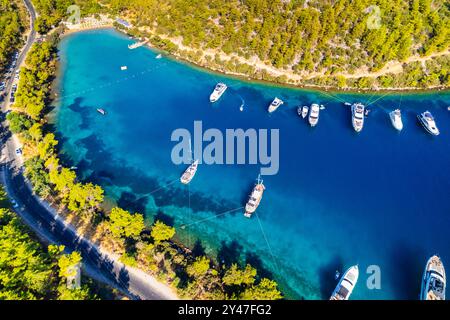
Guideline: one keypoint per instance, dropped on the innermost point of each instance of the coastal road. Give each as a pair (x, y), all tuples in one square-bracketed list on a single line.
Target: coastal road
[(50, 227)]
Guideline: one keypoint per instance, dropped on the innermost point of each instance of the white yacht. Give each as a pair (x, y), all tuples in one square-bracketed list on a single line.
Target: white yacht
[(314, 114), (427, 121), (434, 281), (396, 119), (190, 172), (358, 116), (346, 285), (219, 90), (305, 110), (255, 198), (276, 103)]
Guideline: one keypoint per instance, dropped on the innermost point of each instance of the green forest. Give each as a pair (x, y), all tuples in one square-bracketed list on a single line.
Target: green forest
[(11, 28), (307, 37), (30, 270)]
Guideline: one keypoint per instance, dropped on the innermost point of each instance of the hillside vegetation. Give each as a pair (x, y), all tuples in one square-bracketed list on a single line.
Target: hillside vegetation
[(317, 39)]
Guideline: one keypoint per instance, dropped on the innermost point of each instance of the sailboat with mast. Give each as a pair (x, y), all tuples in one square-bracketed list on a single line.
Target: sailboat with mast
[(190, 172), (255, 198)]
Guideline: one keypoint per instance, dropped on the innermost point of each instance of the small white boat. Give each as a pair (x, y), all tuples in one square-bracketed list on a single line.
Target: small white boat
[(305, 110), (322, 107), (346, 285), (190, 172), (347, 104), (255, 198), (219, 90), (123, 68), (159, 56), (396, 119), (101, 111), (358, 116), (427, 121), (314, 115), (276, 103), (434, 280)]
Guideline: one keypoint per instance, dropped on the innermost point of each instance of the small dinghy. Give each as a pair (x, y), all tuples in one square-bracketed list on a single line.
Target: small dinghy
[(101, 111), (123, 68)]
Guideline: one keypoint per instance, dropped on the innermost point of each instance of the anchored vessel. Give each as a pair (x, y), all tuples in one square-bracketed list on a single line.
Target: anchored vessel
[(276, 103), (101, 111), (427, 121), (396, 119), (434, 281), (305, 110), (346, 285), (358, 116), (219, 90), (190, 172), (314, 114), (255, 198)]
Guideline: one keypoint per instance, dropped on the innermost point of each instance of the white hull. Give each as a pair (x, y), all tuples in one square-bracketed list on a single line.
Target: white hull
[(314, 113), (276, 103), (346, 284), (433, 280), (254, 199), (305, 110), (427, 121), (190, 172), (219, 90), (396, 120), (358, 117)]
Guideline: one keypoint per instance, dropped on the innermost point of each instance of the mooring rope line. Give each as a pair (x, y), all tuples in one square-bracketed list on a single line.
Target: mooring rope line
[(267, 243), (210, 218), (162, 187)]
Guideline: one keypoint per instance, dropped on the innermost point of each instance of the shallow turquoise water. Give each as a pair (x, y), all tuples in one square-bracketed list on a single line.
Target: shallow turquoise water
[(340, 198)]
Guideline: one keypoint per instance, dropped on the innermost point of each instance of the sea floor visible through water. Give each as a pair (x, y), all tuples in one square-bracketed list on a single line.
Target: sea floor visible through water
[(378, 198)]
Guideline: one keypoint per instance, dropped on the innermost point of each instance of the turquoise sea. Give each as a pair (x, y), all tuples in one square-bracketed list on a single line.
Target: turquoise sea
[(340, 198)]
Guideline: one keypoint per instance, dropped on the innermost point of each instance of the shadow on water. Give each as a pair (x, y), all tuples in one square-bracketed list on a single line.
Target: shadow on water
[(327, 281), (132, 203), (255, 261), (407, 271), (198, 250), (229, 253), (161, 216)]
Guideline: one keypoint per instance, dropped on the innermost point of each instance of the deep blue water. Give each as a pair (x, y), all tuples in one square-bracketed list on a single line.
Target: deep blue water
[(340, 198)]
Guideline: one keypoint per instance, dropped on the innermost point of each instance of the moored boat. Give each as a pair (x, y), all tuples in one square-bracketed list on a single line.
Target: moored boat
[(305, 110), (219, 90), (358, 116), (190, 172), (299, 111), (276, 103), (314, 114), (396, 119), (346, 284), (101, 111), (428, 122), (255, 198), (434, 280)]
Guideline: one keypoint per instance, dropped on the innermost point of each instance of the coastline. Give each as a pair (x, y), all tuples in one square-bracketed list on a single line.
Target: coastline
[(246, 78)]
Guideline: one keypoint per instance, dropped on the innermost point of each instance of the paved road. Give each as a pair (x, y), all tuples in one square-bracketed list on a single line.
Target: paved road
[(44, 220)]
